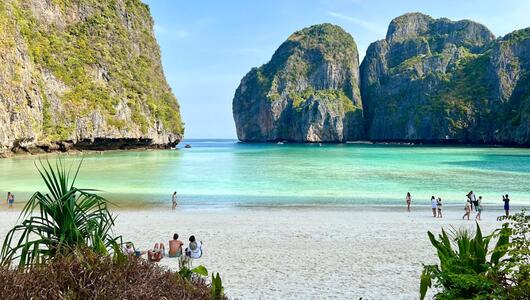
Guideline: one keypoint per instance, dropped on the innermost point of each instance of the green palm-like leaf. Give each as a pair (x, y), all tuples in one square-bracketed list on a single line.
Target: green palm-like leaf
[(59, 221)]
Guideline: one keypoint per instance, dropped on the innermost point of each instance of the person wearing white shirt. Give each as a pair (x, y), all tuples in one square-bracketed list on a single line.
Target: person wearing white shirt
[(433, 206)]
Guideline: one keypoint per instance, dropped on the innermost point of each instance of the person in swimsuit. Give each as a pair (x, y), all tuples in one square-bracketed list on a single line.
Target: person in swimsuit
[(157, 253), (506, 205), (174, 200), (439, 206), (478, 207), (433, 206), (408, 199), (175, 246)]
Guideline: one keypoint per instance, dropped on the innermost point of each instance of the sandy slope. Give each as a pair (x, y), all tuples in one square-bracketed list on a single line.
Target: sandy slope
[(300, 252)]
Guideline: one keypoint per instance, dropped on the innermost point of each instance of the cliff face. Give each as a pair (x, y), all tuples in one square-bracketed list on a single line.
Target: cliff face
[(308, 92), (84, 74), (403, 77), (508, 75), (436, 80)]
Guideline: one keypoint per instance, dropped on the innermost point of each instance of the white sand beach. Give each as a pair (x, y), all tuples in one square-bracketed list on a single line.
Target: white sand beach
[(300, 252)]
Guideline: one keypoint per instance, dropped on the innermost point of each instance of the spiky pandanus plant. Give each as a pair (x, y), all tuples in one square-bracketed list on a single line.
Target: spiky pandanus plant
[(466, 271), (63, 219)]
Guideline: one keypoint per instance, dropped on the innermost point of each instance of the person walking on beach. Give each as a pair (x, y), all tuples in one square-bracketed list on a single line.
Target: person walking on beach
[(433, 206), (10, 199), (506, 205), (408, 199), (478, 208), (473, 200), (439, 206), (174, 200), (467, 208)]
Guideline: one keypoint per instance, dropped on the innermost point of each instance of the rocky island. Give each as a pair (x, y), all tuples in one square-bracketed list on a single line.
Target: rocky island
[(429, 81), (82, 74), (308, 92)]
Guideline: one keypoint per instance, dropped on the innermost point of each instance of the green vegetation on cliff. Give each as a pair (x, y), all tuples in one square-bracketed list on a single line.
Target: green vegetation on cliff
[(105, 55), (308, 91)]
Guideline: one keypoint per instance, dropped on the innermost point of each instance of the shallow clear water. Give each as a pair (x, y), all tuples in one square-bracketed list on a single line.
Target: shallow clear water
[(231, 173)]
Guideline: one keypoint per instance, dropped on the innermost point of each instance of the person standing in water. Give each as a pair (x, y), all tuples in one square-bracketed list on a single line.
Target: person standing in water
[(439, 206), (174, 200), (506, 205), (478, 208), (433, 206), (408, 199)]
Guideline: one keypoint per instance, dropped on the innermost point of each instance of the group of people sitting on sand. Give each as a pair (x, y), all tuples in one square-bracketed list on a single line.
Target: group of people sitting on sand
[(194, 249), (472, 203)]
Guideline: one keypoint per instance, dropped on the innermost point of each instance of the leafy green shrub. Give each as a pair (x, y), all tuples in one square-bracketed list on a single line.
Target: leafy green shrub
[(217, 287), (516, 267), (187, 273), (467, 270), (60, 221)]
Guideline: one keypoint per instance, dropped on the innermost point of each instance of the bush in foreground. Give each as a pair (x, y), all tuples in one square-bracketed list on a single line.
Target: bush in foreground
[(87, 275), (469, 270), (60, 220)]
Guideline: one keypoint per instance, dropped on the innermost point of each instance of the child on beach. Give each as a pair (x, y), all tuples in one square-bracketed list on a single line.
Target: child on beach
[(478, 207), (433, 206), (408, 199), (439, 206)]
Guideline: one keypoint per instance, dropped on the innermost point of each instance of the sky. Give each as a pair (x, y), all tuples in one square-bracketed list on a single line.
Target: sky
[(208, 46)]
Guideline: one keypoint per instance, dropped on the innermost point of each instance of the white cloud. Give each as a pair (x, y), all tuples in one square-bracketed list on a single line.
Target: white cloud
[(172, 33), (364, 24)]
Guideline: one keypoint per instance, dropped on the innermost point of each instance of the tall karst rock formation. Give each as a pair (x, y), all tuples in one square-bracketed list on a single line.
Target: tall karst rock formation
[(429, 81), (84, 74), (308, 92), (436, 80)]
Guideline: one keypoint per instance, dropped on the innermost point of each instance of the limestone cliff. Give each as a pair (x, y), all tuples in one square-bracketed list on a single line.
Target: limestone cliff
[(436, 80), (308, 92), (84, 74)]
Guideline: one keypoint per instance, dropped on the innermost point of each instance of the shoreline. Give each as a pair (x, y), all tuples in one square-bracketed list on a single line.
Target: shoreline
[(15, 153), (234, 207), (77, 152)]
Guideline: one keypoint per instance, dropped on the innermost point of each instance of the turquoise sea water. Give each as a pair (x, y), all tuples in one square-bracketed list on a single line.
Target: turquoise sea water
[(224, 172)]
